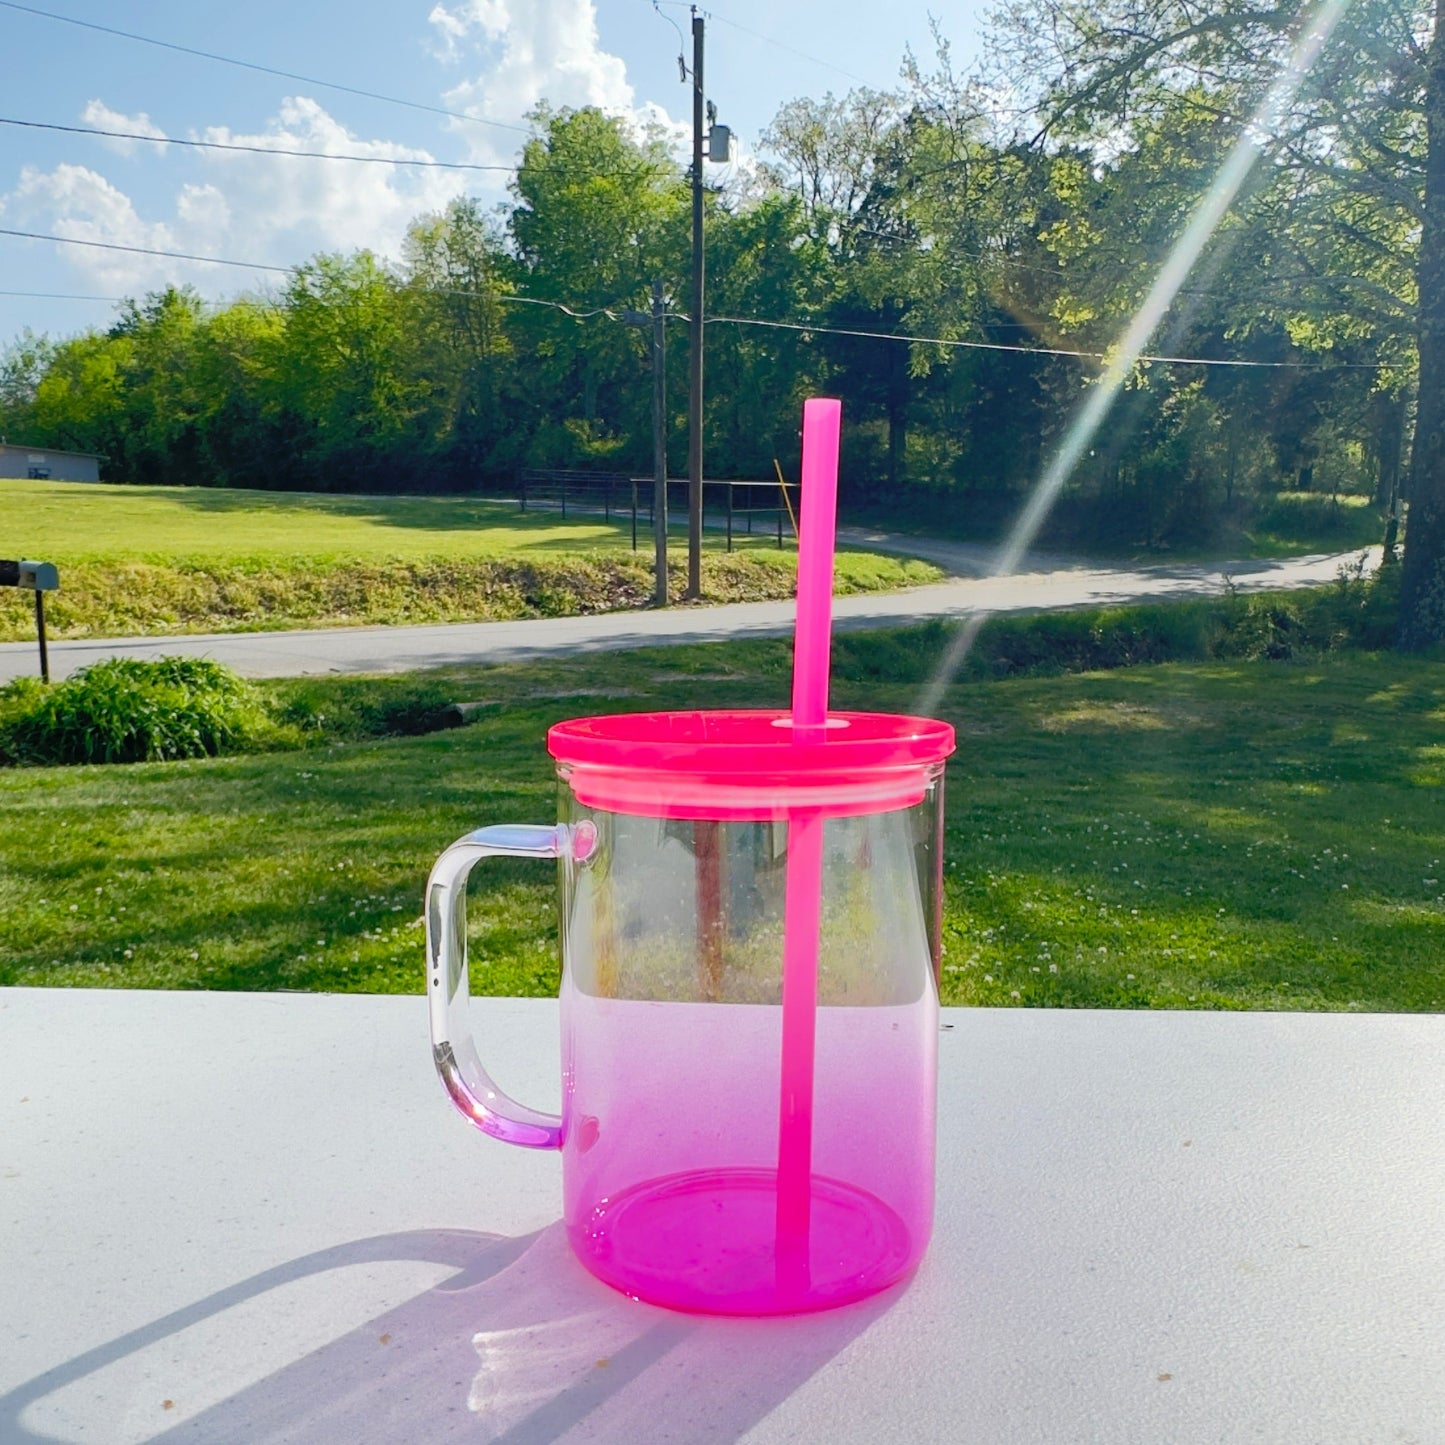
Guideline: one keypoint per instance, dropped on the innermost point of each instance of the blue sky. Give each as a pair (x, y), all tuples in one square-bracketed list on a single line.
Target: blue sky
[(490, 58)]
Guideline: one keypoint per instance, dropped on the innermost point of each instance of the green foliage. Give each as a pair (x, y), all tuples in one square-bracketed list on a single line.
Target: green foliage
[(349, 710), (1356, 612), (1291, 520), (130, 710)]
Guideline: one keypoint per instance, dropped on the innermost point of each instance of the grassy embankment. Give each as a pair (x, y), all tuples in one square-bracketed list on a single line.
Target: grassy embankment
[(154, 560), (1188, 835)]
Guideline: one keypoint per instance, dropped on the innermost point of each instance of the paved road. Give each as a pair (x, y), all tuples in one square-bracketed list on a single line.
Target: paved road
[(1046, 584)]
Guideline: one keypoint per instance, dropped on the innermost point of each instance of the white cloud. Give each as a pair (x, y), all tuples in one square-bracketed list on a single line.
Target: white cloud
[(80, 204), (453, 26), (280, 210), (651, 120), (293, 205), (273, 209), (97, 113), (531, 50), (204, 211)]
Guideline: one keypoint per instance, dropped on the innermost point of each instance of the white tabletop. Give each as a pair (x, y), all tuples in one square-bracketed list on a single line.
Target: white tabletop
[(247, 1218)]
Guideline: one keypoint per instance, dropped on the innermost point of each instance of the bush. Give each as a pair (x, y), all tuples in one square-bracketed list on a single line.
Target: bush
[(1354, 611), (353, 708), (128, 710), (1093, 640)]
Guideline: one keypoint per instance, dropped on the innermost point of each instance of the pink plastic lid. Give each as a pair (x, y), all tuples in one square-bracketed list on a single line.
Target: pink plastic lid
[(738, 765)]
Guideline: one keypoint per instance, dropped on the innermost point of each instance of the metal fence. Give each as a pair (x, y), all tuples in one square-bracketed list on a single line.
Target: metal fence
[(731, 504)]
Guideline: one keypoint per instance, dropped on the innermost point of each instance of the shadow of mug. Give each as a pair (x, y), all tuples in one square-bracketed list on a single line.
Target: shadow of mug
[(518, 1344)]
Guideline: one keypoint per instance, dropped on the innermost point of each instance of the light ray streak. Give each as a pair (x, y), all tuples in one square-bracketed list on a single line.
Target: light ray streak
[(1207, 215)]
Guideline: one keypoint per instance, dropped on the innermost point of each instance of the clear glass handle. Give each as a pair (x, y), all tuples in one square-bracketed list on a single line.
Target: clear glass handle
[(453, 1051)]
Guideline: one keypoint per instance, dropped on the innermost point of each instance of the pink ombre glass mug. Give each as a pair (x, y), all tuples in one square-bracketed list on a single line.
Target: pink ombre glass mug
[(672, 848)]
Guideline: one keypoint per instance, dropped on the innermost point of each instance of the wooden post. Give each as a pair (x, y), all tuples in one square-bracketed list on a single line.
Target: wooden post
[(40, 630)]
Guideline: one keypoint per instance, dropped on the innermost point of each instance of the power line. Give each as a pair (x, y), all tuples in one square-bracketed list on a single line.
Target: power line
[(1060, 273), (61, 296), (646, 168), (766, 39), (1030, 350), (261, 69), (610, 313), (783, 45), (630, 172), (215, 145), (142, 250), (500, 296)]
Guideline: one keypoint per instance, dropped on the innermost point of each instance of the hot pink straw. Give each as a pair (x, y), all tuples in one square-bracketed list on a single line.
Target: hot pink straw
[(822, 420)]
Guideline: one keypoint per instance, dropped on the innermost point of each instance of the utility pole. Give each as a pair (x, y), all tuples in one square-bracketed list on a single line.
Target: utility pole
[(694, 360), (659, 444)]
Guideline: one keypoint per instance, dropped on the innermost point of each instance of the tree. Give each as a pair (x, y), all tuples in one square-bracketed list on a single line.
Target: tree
[(163, 441), (80, 401), (763, 263), (599, 214), (840, 160), (455, 284), (342, 379), (1357, 166), (23, 365)]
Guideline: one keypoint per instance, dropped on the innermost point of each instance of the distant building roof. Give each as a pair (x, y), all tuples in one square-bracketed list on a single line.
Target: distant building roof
[(49, 451)]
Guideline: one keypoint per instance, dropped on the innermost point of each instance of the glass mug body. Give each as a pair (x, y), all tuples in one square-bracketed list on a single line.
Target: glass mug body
[(749, 1005), (672, 1052)]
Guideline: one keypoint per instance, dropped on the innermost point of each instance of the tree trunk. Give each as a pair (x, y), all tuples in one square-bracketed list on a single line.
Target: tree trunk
[(1389, 446), (897, 444), (1422, 578), (898, 389)]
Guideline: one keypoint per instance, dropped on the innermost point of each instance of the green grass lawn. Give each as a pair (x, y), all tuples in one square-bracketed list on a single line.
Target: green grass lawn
[(142, 561), (1211, 835), (71, 522), (1299, 523)]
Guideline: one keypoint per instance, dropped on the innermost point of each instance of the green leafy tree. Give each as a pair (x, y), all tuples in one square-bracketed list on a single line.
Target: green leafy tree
[(342, 379), (80, 401), (455, 272), (1352, 179), (598, 214), (163, 406), (241, 443), (23, 365)]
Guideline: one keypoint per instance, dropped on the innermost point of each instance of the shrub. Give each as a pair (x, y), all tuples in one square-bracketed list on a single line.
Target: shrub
[(1092, 640), (353, 708), (128, 710), (1356, 610)]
